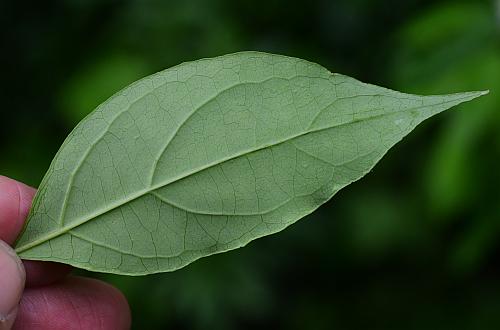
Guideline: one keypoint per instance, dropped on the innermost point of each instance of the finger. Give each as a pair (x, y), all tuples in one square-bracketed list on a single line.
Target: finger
[(15, 203), (11, 285), (75, 303)]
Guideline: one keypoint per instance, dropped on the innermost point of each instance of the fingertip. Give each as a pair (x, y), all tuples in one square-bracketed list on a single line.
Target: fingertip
[(15, 203), (12, 278)]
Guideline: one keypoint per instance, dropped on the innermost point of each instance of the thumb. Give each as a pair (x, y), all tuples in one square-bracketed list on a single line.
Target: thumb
[(12, 279)]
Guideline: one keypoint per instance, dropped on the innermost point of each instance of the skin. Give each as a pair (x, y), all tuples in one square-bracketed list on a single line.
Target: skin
[(41, 295)]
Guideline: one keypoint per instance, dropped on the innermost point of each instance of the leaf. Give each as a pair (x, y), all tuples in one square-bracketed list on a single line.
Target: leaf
[(206, 156)]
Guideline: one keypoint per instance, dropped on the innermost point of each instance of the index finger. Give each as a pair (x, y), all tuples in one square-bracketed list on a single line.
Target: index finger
[(15, 203)]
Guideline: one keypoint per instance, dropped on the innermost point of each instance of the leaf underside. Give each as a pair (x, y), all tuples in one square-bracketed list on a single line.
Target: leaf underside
[(206, 156)]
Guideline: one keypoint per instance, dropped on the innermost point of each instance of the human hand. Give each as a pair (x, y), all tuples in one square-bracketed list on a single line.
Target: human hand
[(40, 295)]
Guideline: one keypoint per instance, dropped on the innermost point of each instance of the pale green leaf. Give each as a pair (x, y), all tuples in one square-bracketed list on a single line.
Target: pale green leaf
[(206, 156)]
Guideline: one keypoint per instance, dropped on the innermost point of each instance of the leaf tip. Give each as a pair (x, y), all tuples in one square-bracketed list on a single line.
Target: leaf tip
[(481, 93), (469, 96), (476, 94)]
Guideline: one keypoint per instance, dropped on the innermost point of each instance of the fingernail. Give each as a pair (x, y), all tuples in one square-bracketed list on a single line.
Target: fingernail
[(12, 278), (6, 322)]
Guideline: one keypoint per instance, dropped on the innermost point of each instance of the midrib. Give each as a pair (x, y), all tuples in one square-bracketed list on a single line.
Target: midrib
[(145, 191)]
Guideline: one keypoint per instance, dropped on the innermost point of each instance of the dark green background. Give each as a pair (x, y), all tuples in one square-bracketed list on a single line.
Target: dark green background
[(414, 245)]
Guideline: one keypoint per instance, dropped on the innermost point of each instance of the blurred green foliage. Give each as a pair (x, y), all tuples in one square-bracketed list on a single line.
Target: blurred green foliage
[(414, 245)]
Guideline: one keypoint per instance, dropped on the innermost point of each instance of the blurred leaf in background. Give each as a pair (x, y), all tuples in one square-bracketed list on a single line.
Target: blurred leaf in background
[(460, 45), (96, 81)]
